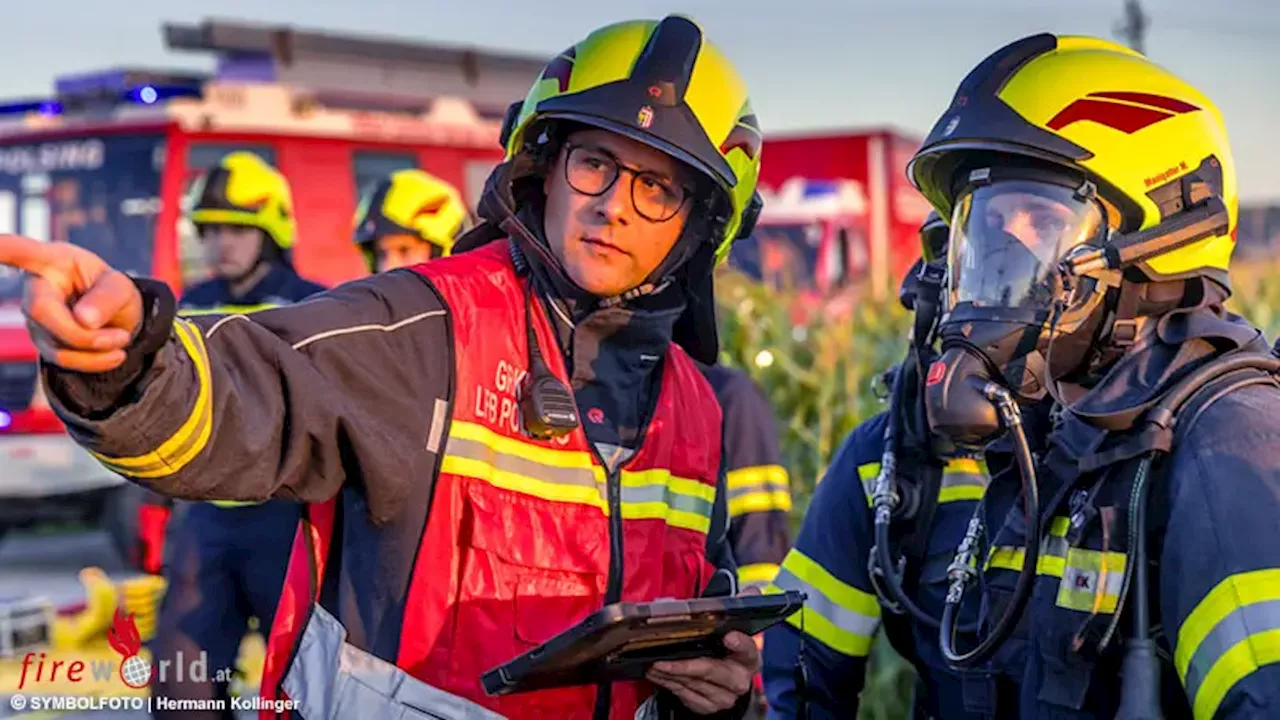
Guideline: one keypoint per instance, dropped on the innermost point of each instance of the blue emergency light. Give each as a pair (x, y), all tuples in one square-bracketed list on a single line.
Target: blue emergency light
[(5, 420), (44, 107), (152, 94)]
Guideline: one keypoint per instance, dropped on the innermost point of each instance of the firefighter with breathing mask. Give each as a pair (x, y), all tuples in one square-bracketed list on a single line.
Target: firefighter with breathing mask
[(490, 445), (407, 218), (1119, 559)]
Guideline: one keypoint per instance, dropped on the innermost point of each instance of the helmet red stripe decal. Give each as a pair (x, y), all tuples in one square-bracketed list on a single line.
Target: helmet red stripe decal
[(1156, 101), (1127, 112)]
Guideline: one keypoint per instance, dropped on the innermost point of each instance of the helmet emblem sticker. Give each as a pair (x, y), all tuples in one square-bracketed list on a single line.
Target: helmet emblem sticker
[(644, 118), (951, 126)]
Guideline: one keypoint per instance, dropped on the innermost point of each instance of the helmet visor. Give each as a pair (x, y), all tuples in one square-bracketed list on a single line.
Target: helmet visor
[(1008, 237)]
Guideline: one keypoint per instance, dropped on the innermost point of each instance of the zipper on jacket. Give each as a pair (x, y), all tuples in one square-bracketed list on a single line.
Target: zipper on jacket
[(613, 591), (613, 485)]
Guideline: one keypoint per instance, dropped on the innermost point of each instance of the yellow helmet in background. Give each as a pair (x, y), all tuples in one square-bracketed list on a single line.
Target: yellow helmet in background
[(661, 83), (244, 190), (1153, 145), (410, 202)]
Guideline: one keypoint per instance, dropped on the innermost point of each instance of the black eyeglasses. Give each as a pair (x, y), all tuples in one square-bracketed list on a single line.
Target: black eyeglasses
[(592, 171)]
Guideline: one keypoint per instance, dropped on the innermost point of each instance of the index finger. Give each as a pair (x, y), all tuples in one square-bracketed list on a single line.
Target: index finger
[(24, 253)]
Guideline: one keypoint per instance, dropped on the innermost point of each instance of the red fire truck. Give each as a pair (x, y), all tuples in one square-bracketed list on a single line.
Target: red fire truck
[(106, 161), (840, 217)]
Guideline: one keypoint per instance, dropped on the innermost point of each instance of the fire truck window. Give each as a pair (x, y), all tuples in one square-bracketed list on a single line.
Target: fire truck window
[(202, 157), (101, 193), (838, 266), (370, 167)]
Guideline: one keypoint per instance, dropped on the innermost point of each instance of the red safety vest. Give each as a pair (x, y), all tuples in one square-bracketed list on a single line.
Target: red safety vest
[(517, 547)]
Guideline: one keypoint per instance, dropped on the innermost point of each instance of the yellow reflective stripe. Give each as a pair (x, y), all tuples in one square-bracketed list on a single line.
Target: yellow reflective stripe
[(1089, 580), (757, 573), (227, 310), (571, 476), (960, 493), (759, 488), (1255, 651), (516, 482), (1059, 526), (964, 479), (759, 502), (774, 476), (835, 613), (966, 466), (193, 435), (1232, 632), (867, 474), (658, 495), (839, 592), (511, 446)]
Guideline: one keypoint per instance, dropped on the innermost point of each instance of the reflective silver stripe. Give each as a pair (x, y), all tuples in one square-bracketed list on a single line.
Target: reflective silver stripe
[(664, 494), (331, 679), (1054, 547), (474, 450), (869, 485), (958, 479), (1230, 630), (817, 601)]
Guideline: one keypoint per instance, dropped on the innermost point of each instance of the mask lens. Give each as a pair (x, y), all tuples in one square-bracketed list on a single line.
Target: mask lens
[(1008, 237)]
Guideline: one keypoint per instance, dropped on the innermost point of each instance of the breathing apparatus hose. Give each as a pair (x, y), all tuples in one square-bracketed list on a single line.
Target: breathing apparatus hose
[(1140, 669), (886, 497), (963, 568)]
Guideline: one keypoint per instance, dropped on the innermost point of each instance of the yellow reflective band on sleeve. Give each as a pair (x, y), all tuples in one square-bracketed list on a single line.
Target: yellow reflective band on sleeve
[(227, 310), (867, 474), (1089, 580), (1231, 633), (964, 479), (193, 435), (760, 488), (836, 614), (570, 476), (757, 574)]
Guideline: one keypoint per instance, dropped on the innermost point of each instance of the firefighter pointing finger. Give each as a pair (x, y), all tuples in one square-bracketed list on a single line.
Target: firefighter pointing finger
[(437, 543)]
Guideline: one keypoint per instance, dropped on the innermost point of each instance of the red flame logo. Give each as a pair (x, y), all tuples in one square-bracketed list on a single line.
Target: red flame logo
[(123, 635)]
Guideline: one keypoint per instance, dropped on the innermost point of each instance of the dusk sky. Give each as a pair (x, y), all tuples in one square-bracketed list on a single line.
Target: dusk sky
[(809, 63)]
